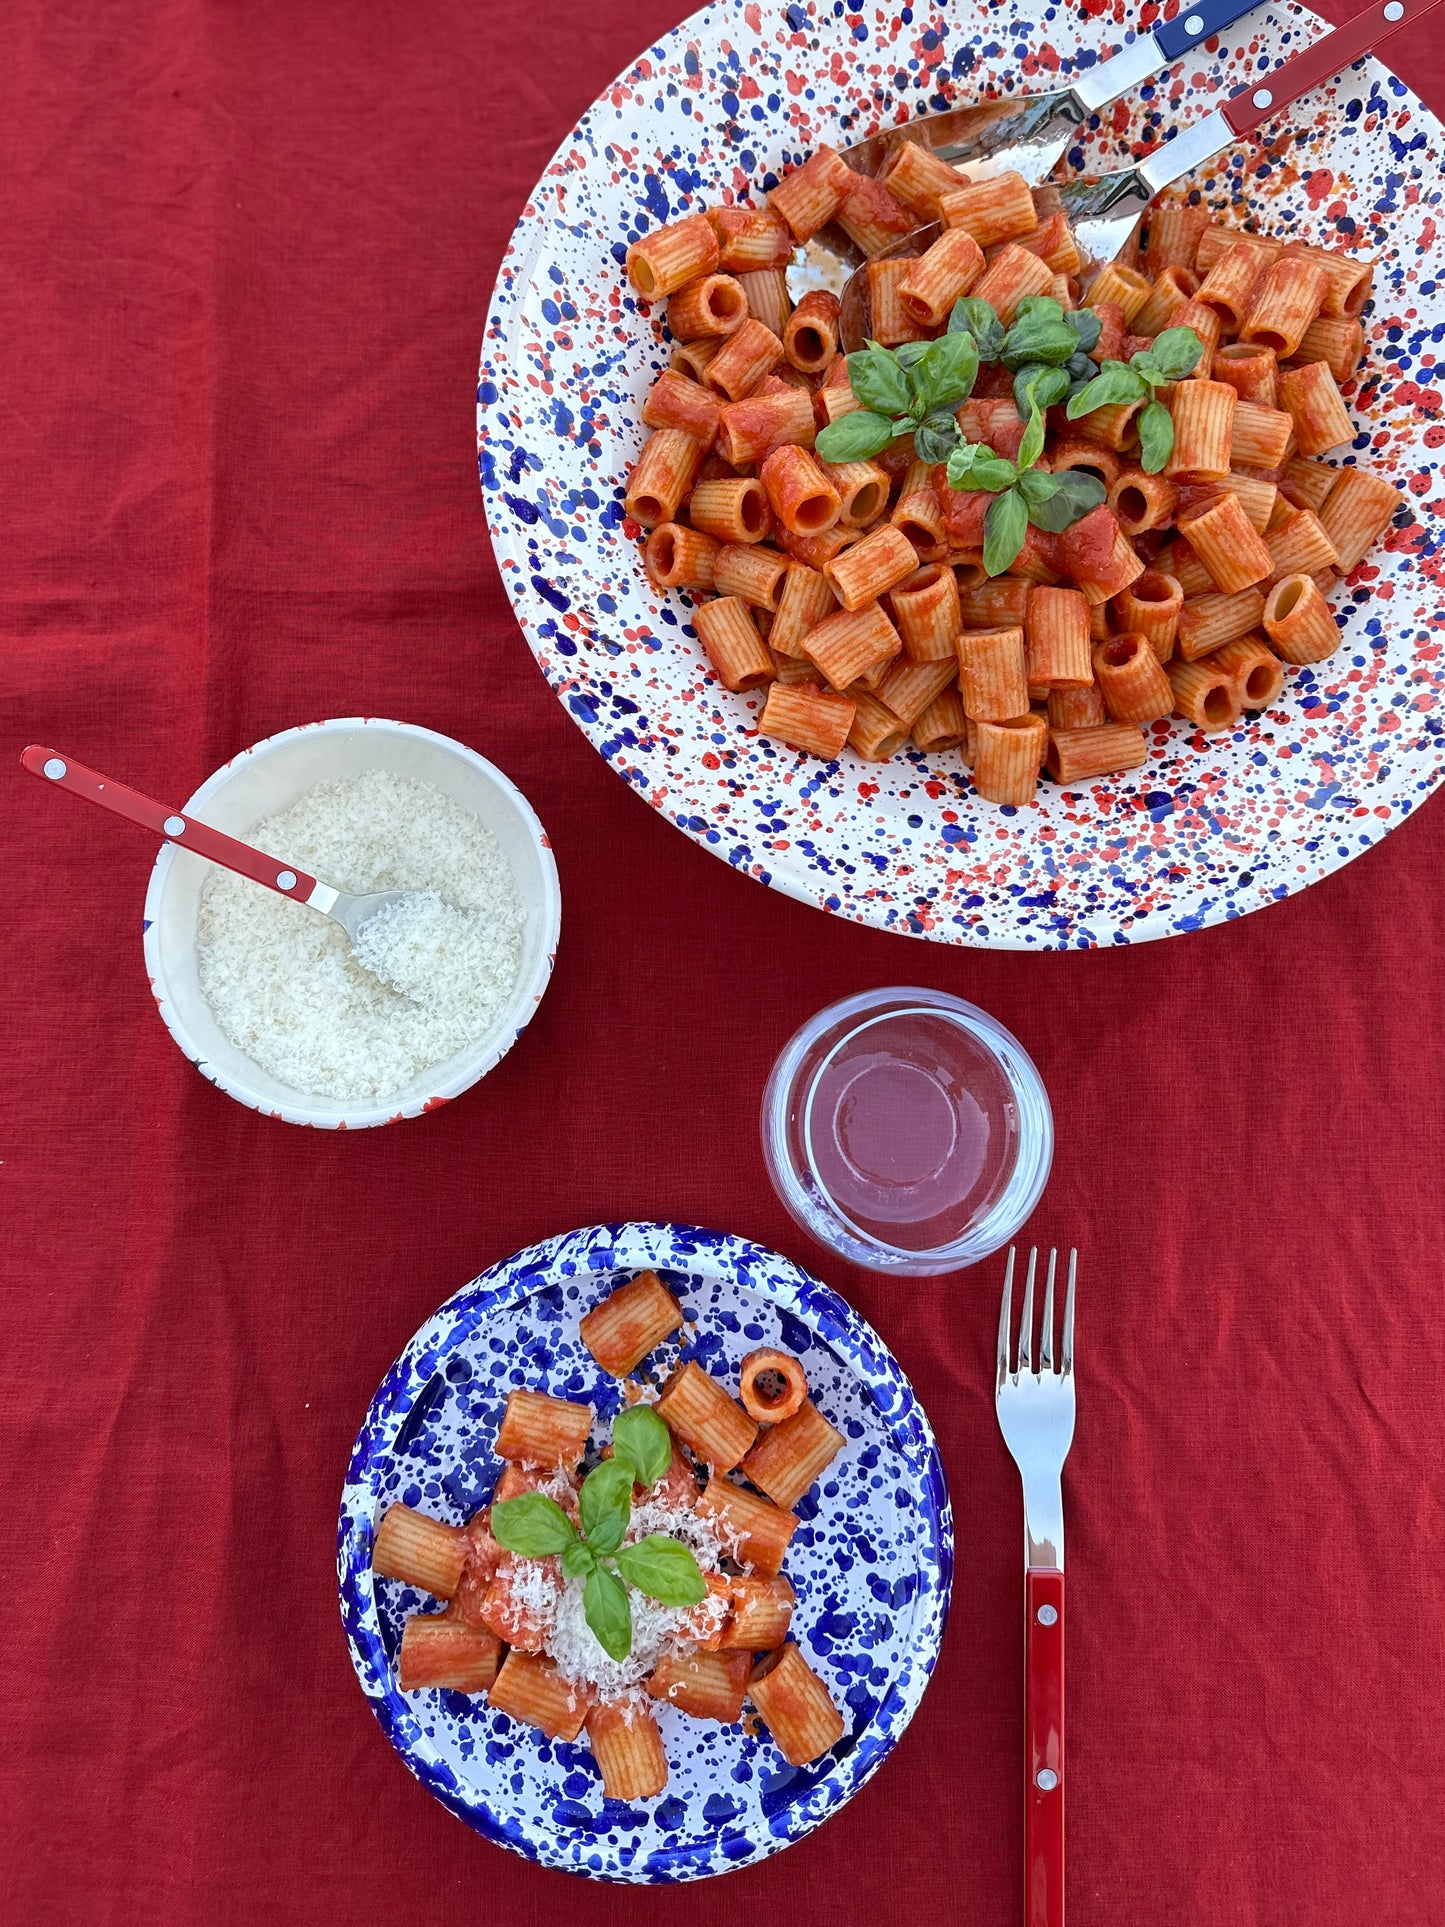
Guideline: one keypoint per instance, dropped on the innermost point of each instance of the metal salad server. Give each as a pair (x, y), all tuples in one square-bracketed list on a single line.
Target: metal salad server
[(1104, 212), (1036, 1416), (1022, 134), (351, 912), (1028, 134)]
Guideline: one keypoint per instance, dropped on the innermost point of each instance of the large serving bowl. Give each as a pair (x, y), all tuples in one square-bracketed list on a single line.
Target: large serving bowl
[(270, 776), (1208, 829)]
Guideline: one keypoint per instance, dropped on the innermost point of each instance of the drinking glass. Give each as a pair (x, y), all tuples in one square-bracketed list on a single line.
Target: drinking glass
[(907, 1130)]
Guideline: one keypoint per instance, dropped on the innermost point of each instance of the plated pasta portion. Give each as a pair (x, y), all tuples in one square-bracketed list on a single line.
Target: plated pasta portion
[(599, 1585), (1045, 515)]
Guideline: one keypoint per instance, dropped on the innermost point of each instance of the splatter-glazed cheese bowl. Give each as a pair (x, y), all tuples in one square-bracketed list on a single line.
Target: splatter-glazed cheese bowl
[(282, 774)]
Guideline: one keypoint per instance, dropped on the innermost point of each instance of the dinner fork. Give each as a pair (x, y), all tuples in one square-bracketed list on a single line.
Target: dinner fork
[(1036, 1416)]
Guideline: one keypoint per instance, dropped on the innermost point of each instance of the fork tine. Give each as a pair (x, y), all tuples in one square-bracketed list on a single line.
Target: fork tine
[(1069, 1317), (1046, 1340), (1026, 1323), (1005, 1318)]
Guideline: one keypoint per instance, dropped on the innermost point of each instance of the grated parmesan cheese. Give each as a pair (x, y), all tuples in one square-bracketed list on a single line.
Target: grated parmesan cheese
[(282, 980), (655, 1628), (424, 947)]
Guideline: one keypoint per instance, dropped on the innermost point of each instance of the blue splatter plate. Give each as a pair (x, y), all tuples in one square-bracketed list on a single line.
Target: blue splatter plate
[(872, 1560)]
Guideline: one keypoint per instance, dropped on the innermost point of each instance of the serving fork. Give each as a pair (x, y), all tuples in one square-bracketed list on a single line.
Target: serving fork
[(1027, 134), (1036, 1416)]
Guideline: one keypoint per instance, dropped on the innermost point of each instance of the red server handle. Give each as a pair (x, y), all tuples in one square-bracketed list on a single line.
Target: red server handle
[(67, 774), (1321, 60), (1044, 1748)]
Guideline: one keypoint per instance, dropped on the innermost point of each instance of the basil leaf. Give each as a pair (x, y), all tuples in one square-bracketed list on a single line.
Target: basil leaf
[(854, 437), (944, 377), (975, 466), (1080, 369), (608, 1612), (1175, 353), (1156, 437), (1040, 333), (877, 380), (578, 1560), (1004, 529), (1048, 385), (977, 318), (533, 1525), (664, 1569), (1037, 487), (1074, 494), (607, 1504), (1032, 445), (1086, 325), (641, 1440), (934, 440), (1114, 383), (909, 353)]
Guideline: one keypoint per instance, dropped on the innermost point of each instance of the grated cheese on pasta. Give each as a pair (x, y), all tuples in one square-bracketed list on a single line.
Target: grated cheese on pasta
[(655, 1627), (282, 980)]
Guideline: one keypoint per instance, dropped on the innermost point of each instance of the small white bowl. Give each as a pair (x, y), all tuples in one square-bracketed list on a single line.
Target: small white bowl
[(272, 775)]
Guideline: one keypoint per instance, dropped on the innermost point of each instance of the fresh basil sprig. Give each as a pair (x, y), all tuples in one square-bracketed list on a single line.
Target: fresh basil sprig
[(535, 1527), (1023, 493), (912, 390), (1042, 332), (1173, 355)]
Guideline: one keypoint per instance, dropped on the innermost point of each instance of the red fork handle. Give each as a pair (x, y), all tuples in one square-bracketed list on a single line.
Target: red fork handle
[(1044, 1747), (66, 774), (1321, 60)]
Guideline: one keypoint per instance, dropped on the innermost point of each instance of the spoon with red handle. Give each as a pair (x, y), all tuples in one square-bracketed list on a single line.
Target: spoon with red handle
[(189, 833)]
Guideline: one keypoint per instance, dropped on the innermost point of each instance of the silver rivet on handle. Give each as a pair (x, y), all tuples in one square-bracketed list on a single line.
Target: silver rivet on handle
[(54, 768), (1262, 97), (1395, 10), (174, 826), (1194, 24), (1048, 1616), (286, 880), (1046, 1779)]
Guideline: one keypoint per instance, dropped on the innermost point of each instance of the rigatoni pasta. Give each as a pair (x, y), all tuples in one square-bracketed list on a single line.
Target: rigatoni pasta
[(537, 1429), (1081, 755), (437, 1650), (993, 676), (796, 1705), (712, 1425), (630, 1322), (850, 591), (737, 652)]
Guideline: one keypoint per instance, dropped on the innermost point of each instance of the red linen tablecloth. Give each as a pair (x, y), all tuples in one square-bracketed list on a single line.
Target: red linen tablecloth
[(247, 251)]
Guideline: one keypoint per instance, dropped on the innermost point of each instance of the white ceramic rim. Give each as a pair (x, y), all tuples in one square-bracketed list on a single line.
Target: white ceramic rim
[(525, 997)]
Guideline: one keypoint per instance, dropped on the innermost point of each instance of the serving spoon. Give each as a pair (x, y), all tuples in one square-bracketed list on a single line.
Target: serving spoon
[(1027, 134), (1020, 133), (189, 833), (1104, 212)]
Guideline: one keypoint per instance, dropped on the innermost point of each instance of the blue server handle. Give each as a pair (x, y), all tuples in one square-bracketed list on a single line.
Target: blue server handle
[(1193, 24)]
